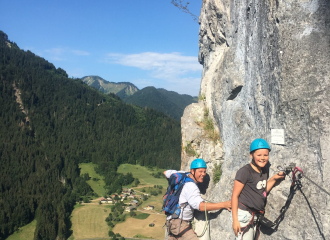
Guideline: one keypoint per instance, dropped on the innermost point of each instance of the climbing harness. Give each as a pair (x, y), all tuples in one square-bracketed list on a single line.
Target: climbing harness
[(192, 226), (254, 221)]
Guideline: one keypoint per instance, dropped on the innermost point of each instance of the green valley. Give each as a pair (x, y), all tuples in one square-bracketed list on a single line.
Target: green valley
[(88, 220), (49, 124)]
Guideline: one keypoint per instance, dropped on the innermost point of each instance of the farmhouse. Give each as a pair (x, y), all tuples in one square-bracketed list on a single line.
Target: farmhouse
[(149, 207), (133, 202), (127, 191), (107, 200), (130, 208)]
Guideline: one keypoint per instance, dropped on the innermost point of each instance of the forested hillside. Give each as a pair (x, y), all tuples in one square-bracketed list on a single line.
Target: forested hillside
[(169, 102), (50, 123)]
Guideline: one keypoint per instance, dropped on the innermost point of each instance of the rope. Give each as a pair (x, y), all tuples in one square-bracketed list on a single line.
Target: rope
[(303, 175), (205, 226), (293, 189), (297, 174)]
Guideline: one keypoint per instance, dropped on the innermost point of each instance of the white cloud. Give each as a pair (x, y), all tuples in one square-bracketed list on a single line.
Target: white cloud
[(55, 51), (188, 85), (173, 71), (80, 52), (76, 72), (34, 50), (161, 65), (61, 54), (55, 54)]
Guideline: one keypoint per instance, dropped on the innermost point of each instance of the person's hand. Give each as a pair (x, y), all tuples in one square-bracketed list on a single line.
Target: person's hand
[(227, 205), (280, 175), (236, 227)]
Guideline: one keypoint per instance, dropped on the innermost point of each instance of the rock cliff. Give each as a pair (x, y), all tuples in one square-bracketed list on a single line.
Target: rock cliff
[(266, 65)]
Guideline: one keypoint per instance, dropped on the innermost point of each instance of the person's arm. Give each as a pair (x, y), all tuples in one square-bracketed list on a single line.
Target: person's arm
[(238, 187), (214, 206), (271, 182), (191, 194), (168, 173)]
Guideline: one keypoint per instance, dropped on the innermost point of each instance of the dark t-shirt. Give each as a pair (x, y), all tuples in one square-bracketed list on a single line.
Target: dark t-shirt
[(254, 193)]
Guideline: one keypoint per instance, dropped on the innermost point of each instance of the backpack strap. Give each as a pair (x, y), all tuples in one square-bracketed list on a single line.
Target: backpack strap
[(178, 210)]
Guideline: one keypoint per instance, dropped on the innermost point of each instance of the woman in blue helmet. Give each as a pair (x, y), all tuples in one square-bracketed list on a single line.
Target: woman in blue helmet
[(180, 228), (250, 191)]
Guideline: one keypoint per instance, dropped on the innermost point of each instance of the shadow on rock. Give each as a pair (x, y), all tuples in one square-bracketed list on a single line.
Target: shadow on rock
[(204, 185), (200, 215)]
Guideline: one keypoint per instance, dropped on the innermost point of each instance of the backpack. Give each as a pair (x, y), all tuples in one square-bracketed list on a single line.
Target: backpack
[(171, 198)]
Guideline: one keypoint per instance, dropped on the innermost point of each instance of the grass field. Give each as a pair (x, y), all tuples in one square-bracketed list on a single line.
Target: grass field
[(146, 179), (89, 222), (142, 216), (97, 186), (156, 201), (132, 227), (24, 233), (143, 174)]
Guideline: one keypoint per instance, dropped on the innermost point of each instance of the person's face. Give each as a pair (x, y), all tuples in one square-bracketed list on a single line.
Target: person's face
[(261, 157), (200, 173)]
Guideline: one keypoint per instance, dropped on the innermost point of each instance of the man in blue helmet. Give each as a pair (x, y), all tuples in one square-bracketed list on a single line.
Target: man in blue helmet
[(190, 196)]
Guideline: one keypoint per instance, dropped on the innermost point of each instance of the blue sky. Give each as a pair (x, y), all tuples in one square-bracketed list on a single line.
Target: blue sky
[(145, 42)]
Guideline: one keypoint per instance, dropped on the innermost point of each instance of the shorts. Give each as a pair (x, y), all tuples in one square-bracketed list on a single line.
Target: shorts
[(244, 218), (175, 226)]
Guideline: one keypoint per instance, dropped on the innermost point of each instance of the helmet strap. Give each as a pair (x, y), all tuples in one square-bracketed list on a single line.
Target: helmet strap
[(254, 163), (194, 175)]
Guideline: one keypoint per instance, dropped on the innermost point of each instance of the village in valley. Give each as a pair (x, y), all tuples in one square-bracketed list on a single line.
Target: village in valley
[(130, 198), (134, 212)]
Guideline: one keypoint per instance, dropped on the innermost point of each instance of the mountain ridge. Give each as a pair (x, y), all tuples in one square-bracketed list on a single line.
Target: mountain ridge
[(168, 102), (160, 99), (122, 89)]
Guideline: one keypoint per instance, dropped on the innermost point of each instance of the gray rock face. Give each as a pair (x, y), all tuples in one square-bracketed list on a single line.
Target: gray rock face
[(266, 66)]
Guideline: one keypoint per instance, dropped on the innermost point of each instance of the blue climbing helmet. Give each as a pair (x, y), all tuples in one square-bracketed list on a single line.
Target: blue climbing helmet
[(198, 163), (259, 143)]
